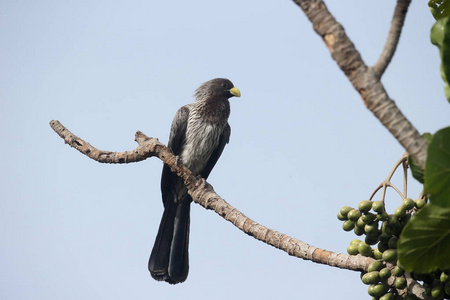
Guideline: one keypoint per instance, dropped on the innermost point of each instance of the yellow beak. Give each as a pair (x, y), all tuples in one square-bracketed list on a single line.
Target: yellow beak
[(235, 92)]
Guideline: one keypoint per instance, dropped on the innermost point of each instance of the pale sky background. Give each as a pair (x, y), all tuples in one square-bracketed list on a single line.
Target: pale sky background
[(302, 142)]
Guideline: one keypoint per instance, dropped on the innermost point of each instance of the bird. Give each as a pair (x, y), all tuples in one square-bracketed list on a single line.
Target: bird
[(198, 135)]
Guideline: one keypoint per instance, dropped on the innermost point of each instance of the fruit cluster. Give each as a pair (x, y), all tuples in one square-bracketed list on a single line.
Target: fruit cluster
[(436, 284), (383, 230)]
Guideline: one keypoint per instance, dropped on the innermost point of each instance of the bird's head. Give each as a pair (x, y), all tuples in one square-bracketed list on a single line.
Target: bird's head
[(219, 87)]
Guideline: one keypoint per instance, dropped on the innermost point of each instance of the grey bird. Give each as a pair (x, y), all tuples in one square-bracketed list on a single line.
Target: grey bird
[(198, 135)]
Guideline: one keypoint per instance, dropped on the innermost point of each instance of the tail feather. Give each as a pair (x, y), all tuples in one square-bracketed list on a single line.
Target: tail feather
[(169, 260), (159, 258), (179, 251)]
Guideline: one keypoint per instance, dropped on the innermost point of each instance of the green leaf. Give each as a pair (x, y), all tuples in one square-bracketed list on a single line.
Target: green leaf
[(437, 169), (424, 244), (439, 8), (440, 36), (428, 137), (416, 170)]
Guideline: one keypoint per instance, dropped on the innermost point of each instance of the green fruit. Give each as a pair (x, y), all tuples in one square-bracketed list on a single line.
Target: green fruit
[(385, 273), (355, 242), (393, 220), (377, 254), (374, 234), (341, 217), (400, 212), (382, 247), (378, 290), (411, 297), (390, 255), (344, 210), (375, 266), (371, 278), (400, 283), (398, 271), (364, 249), (383, 216), (387, 296), (360, 223), (371, 240), (370, 289), (365, 205), (358, 230), (354, 215), (371, 228), (348, 225), (437, 291), (419, 203), (352, 249), (405, 219), (399, 264), (398, 230), (384, 237), (368, 218), (392, 243), (444, 278), (408, 203), (378, 206), (387, 229)]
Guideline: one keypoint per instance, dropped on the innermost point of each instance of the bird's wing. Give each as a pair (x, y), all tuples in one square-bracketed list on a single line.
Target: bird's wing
[(170, 182), (223, 140), (178, 130)]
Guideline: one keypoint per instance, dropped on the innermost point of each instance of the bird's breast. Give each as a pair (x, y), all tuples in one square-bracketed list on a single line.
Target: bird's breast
[(202, 138)]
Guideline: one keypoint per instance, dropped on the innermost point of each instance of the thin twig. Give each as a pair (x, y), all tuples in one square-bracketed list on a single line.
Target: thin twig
[(405, 176), (387, 182), (397, 164), (394, 35), (203, 193)]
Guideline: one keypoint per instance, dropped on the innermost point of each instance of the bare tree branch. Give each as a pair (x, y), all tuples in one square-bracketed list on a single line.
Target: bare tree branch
[(413, 287), (394, 35), (364, 79), (138, 154), (203, 193)]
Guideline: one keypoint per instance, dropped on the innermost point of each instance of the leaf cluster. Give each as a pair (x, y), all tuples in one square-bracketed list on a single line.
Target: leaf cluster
[(424, 244)]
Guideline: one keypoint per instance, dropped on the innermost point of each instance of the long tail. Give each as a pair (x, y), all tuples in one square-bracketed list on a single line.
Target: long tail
[(169, 260)]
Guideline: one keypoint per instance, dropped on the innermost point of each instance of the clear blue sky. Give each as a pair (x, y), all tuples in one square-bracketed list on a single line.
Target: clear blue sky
[(302, 142)]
